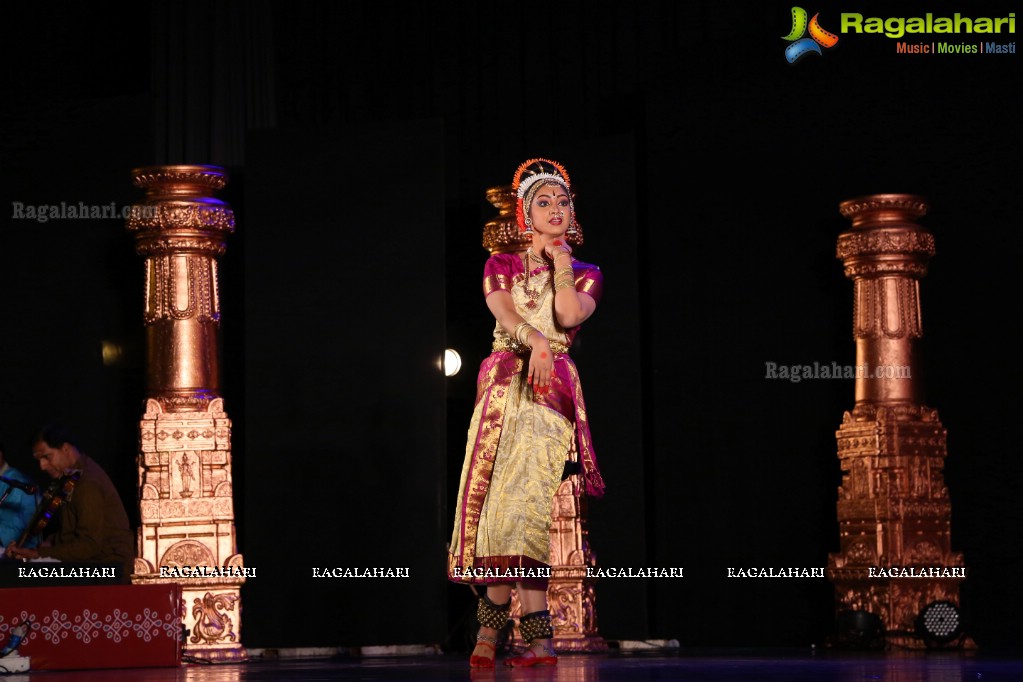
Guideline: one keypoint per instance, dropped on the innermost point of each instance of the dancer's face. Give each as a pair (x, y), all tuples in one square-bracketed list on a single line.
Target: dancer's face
[(551, 210)]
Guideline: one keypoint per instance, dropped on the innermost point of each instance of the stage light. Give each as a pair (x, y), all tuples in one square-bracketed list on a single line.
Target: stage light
[(939, 623), (111, 353), (858, 629), (452, 362)]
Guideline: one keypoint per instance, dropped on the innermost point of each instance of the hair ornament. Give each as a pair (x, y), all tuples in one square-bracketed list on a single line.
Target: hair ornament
[(533, 170), (533, 173)]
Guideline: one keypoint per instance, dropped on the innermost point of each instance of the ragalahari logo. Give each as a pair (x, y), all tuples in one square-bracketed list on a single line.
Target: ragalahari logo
[(802, 46)]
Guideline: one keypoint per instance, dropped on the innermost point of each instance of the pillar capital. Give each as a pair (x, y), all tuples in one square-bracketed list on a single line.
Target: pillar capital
[(885, 238), (180, 213)]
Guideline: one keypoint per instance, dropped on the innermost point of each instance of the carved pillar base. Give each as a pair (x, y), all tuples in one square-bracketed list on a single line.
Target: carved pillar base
[(570, 593), (894, 514), (213, 634), (188, 523)]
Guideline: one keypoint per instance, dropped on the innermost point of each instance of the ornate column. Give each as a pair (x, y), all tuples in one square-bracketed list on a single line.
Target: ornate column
[(187, 532), (570, 593), (893, 507)]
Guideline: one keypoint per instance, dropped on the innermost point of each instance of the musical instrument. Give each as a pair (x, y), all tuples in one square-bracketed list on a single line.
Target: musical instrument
[(57, 493)]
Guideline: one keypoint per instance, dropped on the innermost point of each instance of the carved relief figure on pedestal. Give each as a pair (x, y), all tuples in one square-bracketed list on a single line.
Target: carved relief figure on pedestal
[(187, 476), (188, 553), (212, 625)]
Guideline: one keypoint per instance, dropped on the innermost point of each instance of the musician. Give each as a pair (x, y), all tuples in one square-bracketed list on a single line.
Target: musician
[(17, 503), (92, 522)]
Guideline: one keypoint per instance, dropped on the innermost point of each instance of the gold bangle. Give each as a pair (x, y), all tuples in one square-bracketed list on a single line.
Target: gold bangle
[(564, 278), (522, 332), (517, 332)]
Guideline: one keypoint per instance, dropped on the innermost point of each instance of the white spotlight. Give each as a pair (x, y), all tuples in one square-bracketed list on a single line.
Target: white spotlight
[(452, 362)]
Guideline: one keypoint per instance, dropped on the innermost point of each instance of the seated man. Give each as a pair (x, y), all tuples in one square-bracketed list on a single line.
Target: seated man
[(92, 523), (17, 504)]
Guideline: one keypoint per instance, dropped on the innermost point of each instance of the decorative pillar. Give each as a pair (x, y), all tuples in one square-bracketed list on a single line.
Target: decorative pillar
[(187, 532), (893, 507), (570, 593)]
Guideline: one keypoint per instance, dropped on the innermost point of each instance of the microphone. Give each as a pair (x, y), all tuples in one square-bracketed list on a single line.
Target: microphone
[(23, 487)]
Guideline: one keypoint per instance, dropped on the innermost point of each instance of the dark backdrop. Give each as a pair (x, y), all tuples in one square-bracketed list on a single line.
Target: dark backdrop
[(343, 410), (709, 172)]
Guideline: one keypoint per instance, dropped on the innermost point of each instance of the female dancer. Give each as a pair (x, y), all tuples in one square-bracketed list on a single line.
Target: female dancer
[(529, 414)]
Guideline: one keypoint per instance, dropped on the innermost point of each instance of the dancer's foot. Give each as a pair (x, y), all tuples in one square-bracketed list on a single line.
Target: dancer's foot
[(484, 653), (536, 655)]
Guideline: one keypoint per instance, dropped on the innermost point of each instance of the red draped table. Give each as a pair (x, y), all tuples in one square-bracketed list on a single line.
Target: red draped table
[(103, 626)]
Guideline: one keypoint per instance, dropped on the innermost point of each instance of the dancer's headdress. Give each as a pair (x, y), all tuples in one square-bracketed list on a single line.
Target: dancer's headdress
[(532, 175)]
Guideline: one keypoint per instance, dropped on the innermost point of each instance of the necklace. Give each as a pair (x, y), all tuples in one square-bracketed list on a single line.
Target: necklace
[(534, 295)]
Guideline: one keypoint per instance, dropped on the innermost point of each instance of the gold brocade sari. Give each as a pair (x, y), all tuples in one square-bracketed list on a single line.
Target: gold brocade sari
[(518, 443)]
